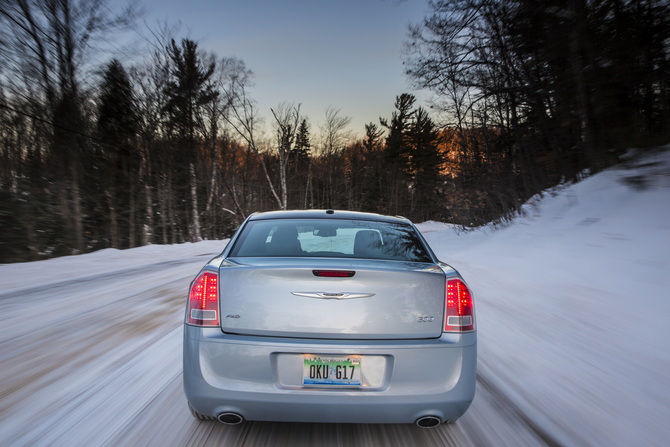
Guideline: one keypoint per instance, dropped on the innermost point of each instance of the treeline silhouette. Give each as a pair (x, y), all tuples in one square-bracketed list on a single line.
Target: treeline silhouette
[(172, 148)]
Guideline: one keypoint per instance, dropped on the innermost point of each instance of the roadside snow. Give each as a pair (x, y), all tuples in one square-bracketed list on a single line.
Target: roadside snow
[(14, 277), (573, 301)]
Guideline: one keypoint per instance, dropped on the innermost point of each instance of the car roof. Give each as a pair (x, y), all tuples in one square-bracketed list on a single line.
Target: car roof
[(327, 214)]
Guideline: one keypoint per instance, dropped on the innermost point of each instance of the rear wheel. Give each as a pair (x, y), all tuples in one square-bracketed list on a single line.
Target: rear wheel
[(199, 416)]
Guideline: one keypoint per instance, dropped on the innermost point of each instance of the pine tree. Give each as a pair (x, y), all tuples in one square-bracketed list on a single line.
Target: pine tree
[(301, 149), (372, 136), (397, 155), (117, 126), (188, 90), (373, 171), (397, 149), (426, 162), (117, 116)]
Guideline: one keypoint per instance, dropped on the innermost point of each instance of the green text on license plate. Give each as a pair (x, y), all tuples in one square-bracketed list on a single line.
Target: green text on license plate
[(331, 370)]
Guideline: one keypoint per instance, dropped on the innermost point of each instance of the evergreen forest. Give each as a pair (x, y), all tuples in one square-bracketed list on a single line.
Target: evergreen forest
[(170, 146)]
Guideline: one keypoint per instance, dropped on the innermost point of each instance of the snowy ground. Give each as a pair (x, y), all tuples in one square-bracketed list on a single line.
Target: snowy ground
[(572, 303), (14, 277)]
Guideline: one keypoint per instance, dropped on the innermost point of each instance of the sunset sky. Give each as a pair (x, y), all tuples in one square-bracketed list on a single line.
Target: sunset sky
[(344, 53)]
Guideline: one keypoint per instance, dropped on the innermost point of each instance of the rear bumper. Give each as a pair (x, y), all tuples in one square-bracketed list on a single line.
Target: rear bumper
[(260, 378)]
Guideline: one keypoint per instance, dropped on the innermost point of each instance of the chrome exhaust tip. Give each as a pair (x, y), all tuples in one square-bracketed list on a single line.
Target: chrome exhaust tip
[(230, 418), (428, 421)]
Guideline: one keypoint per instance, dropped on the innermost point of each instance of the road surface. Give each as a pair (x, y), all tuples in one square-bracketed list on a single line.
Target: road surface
[(96, 361)]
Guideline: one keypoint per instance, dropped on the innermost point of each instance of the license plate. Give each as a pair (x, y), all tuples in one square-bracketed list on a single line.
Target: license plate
[(331, 371)]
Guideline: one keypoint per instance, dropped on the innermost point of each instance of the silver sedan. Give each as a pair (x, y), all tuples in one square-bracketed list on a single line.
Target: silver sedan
[(329, 316)]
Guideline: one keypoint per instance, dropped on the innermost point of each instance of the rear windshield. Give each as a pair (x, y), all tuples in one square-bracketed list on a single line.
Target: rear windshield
[(330, 238)]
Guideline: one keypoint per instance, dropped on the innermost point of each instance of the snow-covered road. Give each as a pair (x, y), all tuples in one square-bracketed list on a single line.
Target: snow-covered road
[(572, 308), (95, 360)]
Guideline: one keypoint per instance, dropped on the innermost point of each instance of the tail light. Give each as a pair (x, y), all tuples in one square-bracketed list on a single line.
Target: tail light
[(203, 300), (460, 315)]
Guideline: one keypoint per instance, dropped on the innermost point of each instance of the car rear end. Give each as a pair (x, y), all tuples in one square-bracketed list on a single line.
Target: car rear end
[(356, 323)]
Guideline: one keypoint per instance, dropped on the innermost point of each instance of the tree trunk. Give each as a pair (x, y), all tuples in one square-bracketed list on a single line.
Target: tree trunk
[(282, 181), (164, 208), (212, 181), (195, 227), (77, 217), (310, 189), (113, 223), (149, 221), (131, 218)]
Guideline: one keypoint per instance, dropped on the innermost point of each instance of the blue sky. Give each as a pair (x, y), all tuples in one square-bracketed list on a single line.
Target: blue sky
[(345, 53)]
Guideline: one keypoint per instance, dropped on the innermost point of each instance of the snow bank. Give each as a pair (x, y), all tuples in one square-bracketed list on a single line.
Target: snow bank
[(573, 301), (31, 274)]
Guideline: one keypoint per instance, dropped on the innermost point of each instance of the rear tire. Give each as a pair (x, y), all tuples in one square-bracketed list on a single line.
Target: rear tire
[(199, 416)]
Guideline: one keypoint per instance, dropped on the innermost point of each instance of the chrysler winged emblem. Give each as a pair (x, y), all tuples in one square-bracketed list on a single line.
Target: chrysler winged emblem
[(333, 295)]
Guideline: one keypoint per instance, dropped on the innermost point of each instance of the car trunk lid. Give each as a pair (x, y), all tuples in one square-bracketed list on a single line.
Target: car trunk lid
[(285, 298)]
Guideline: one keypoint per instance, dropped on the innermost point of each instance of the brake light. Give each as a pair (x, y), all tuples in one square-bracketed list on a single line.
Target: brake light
[(203, 301), (334, 273), (460, 314)]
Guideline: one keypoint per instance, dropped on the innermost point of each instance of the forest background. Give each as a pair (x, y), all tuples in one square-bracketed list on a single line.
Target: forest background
[(172, 148)]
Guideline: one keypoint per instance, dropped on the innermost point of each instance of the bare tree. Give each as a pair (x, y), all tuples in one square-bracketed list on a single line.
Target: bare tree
[(334, 137), (150, 78), (334, 133), (243, 116), (287, 118), (229, 70)]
